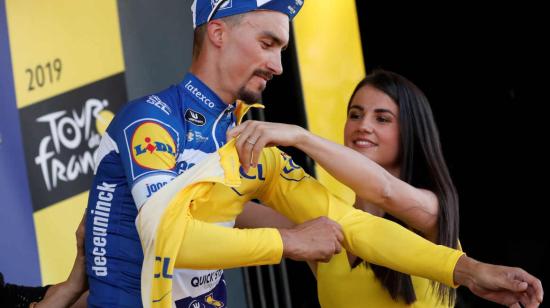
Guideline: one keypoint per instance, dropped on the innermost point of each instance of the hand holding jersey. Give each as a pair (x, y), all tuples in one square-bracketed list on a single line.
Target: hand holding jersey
[(315, 240)]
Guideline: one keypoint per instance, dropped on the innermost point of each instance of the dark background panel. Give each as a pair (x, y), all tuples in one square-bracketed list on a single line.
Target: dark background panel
[(157, 39), (485, 72)]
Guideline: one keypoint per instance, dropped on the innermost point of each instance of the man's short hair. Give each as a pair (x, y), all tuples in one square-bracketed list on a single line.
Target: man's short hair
[(200, 32)]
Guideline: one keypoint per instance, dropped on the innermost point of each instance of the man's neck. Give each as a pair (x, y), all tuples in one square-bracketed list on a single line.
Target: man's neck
[(211, 77)]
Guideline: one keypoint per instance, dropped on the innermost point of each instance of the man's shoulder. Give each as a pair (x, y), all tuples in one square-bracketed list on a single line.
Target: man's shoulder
[(161, 107), (164, 103)]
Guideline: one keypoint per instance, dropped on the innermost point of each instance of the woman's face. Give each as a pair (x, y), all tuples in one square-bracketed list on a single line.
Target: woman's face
[(372, 127)]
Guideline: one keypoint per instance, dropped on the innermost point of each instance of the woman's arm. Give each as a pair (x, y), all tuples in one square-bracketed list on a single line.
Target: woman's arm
[(417, 208)]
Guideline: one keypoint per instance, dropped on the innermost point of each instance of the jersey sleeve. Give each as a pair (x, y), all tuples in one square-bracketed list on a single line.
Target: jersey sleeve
[(148, 141), (239, 247), (295, 194)]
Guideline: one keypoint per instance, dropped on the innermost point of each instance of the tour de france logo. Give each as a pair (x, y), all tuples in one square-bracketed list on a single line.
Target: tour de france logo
[(153, 147)]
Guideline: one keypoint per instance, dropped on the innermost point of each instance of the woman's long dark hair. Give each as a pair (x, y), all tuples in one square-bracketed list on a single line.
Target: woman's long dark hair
[(422, 166)]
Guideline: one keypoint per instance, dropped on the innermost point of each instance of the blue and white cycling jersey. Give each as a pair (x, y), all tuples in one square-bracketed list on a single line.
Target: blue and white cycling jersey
[(148, 143)]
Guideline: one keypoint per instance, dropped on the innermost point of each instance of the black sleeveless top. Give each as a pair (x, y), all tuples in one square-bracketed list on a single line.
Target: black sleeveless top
[(14, 296)]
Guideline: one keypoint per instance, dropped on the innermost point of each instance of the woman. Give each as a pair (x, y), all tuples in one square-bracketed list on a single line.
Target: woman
[(390, 122)]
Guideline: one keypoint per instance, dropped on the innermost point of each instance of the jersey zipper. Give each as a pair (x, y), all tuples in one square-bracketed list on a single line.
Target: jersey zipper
[(224, 112)]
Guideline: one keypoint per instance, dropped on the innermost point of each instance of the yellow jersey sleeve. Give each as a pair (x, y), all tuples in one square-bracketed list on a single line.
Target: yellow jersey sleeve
[(295, 194), (209, 246)]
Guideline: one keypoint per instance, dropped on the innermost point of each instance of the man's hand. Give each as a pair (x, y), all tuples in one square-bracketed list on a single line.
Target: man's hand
[(315, 240), (507, 286)]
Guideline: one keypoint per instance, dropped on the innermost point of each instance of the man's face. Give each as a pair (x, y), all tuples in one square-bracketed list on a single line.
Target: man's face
[(252, 53)]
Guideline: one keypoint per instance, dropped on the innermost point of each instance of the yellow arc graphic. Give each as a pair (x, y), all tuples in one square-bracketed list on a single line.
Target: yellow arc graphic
[(331, 64)]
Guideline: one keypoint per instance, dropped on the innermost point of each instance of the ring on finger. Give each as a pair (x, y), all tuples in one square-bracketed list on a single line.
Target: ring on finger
[(251, 142)]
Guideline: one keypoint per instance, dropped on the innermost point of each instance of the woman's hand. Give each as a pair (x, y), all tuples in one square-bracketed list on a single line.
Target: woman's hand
[(253, 136), (505, 285)]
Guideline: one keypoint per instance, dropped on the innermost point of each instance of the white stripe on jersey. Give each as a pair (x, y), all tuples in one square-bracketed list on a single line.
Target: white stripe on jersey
[(145, 187), (106, 146)]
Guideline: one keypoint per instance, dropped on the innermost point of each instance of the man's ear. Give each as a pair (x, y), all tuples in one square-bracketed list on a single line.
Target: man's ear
[(216, 32)]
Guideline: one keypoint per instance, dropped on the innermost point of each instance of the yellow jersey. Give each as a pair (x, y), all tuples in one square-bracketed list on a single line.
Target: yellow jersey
[(176, 229), (339, 285)]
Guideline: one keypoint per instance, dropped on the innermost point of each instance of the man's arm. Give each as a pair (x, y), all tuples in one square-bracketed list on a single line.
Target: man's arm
[(256, 215), (208, 246), (202, 243)]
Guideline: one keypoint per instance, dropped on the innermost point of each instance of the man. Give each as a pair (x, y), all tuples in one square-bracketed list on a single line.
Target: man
[(237, 50), (155, 138)]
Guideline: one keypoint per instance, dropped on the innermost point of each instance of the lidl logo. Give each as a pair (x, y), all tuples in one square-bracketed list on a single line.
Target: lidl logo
[(153, 147)]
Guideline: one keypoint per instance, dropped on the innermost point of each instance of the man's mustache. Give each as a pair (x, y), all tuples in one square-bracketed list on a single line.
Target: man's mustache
[(264, 74)]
